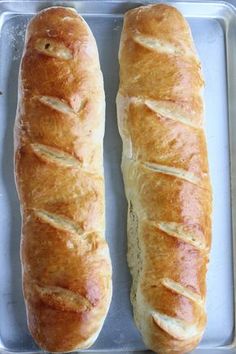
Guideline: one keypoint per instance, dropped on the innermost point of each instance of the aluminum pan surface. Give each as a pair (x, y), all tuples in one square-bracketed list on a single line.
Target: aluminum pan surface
[(212, 27)]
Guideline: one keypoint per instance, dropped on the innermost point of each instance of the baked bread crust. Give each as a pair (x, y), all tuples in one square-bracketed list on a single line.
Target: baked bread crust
[(59, 176), (165, 168)]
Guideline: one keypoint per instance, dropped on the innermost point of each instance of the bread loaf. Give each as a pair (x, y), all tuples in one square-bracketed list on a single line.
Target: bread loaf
[(59, 175), (165, 168)]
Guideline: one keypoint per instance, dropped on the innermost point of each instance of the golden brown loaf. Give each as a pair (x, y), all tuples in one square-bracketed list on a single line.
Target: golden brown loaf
[(165, 167), (59, 174)]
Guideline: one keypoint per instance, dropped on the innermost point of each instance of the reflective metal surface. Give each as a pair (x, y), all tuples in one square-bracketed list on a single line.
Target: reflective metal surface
[(213, 26)]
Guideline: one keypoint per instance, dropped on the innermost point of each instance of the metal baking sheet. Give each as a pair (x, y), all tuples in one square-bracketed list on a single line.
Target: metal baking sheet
[(213, 26)]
